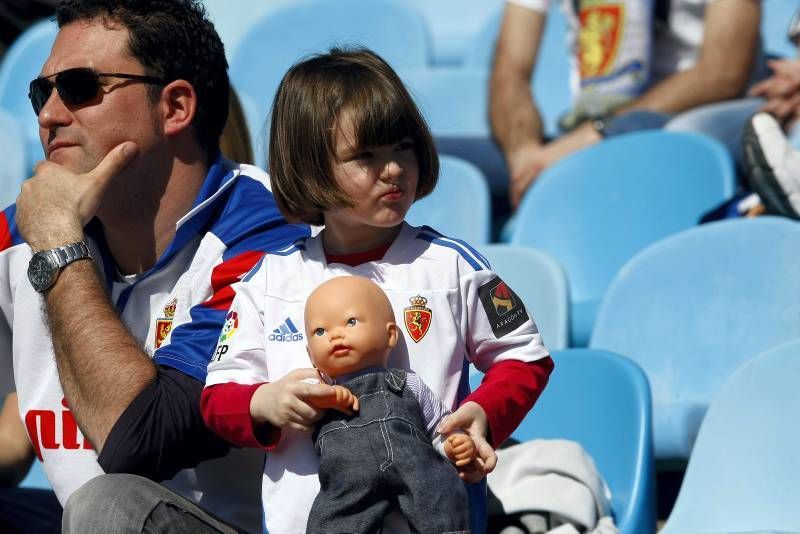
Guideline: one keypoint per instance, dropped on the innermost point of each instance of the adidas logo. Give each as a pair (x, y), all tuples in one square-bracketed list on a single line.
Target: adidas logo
[(286, 332)]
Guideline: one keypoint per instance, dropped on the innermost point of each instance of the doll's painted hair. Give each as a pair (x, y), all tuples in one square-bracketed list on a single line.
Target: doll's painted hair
[(311, 99)]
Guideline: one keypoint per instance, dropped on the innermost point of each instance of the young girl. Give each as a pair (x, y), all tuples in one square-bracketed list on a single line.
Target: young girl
[(349, 149)]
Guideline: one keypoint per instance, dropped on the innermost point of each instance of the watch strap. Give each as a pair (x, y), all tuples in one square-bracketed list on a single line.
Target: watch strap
[(66, 254)]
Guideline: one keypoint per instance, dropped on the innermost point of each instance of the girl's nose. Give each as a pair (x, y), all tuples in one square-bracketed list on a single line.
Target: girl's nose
[(391, 170)]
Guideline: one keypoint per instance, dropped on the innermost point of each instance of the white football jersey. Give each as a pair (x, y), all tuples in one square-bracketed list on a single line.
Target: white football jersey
[(175, 310), (452, 309)]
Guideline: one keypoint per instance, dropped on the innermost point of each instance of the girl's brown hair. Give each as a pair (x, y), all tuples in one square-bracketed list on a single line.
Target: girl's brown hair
[(310, 100)]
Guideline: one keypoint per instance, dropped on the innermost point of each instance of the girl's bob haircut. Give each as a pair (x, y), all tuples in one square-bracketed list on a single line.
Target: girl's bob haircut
[(311, 98)]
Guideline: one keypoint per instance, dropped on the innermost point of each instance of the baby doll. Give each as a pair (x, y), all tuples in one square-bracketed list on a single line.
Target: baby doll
[(376, 449)]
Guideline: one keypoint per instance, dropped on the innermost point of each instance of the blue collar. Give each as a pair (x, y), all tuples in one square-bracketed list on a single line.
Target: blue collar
[(220, 176)]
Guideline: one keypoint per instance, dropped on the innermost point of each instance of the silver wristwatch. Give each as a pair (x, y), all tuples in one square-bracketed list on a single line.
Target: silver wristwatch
[(44, 266)]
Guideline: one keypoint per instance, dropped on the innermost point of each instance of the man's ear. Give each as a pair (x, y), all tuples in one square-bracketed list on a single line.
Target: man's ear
[(393, 333), (179, 104)]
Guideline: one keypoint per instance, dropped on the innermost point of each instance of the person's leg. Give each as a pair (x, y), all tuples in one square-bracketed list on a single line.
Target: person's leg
[(121, 503), (29, 510), (724, 121)]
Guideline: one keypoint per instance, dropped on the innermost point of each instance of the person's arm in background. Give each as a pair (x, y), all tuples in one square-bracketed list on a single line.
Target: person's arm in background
[(723, 68), (515, 120), (781, 90), (16, 452)]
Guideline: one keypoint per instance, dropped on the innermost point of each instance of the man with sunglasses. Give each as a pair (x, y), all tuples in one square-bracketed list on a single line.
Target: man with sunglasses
[(116, 265)]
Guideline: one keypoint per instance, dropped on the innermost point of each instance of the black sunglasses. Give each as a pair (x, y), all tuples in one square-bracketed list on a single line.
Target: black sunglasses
[(76, 86)]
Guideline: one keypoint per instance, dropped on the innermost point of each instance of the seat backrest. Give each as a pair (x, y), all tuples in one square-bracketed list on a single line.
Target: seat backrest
[(602, 401), (595, 209), (21, 64), (551, 76), (540, 282), (775, 17), (459, 206), (692, 307), (394, 30), (13, 170), (743, 472)]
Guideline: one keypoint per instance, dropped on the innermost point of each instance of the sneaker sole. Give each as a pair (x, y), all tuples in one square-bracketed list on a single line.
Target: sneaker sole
[(762, 179)]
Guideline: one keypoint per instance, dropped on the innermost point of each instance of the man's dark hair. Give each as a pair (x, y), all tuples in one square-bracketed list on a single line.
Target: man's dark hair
[(173, 40)]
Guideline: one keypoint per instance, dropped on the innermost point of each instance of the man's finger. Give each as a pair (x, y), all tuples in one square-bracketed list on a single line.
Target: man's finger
[(116, 160)]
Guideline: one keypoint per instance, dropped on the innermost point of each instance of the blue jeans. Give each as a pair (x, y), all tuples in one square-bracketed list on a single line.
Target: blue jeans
[(723, 121), (121, 503)]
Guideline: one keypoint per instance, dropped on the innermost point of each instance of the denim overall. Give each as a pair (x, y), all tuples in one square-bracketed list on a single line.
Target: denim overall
[(381, 459)]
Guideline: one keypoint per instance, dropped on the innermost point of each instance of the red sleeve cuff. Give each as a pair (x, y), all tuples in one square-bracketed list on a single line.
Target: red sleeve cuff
[(508, 391), (226, 411)]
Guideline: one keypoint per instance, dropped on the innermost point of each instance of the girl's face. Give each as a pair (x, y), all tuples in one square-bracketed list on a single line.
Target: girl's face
[(381, 180)]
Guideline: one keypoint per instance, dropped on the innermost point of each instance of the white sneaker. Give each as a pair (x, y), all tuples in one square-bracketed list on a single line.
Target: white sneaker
[(773, 165)]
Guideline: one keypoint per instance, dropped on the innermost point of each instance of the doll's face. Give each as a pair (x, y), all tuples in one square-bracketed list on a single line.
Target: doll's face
[(349, 326)]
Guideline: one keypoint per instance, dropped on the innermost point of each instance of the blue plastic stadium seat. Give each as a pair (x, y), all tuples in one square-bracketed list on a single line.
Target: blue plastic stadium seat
[(595, 209), (602, 401), (286, 34), (454, 102), (693, 307), (454, 24), (540, 282), (21, 64), (743, 472), (14, 168), (459, 205), (775, 17)]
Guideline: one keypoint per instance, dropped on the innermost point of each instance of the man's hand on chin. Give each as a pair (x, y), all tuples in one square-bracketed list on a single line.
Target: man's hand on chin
[(55, 204)]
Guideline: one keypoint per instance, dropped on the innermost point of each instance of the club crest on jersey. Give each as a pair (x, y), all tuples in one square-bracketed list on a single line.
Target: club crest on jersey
[(417, 318), (599, 38), (503, 307), (164, 323)]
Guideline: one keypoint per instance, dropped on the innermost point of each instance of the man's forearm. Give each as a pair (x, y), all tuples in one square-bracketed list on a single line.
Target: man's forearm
[(514, 118), (100, 364), (688, 89)]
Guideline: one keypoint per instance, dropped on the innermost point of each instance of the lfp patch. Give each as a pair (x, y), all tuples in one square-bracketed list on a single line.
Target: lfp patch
[(230, 327), (417, 318), (503, 307)]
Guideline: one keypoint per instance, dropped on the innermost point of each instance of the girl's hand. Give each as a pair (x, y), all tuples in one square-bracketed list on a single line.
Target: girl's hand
[(288, 402), (471, 418)]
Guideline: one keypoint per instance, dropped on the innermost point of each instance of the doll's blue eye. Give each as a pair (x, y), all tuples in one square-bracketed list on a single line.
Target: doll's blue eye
[(352, 321), (319, 331)]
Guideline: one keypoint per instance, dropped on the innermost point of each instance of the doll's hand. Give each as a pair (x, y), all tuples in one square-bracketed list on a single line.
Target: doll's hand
[(471, 418), (289, 402), (460, 449), (340, 398)]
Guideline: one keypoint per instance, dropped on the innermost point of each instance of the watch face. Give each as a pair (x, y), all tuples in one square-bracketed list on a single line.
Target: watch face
[(41, 272)]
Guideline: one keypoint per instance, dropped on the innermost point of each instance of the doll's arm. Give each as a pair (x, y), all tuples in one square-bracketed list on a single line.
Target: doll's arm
[(341, 399), (460, 449)]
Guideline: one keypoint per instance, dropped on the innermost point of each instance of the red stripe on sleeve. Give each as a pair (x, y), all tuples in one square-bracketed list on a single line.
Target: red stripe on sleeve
[(508, 391), (228, 273), (5, 233), (226, 411)]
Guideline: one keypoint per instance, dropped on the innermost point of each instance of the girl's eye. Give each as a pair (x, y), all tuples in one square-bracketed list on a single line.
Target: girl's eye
[(319, 331), (352, 321), (405, 145), (362, 155)]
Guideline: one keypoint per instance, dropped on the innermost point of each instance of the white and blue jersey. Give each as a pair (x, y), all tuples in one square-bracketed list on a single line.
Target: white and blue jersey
[(451, 308), (175, 310)]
